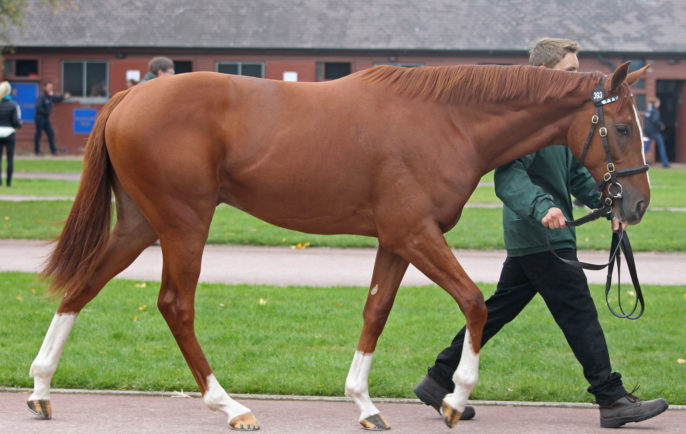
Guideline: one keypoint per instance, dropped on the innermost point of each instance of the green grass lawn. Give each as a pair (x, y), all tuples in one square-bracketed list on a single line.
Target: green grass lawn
[(300, 340), (48, 165), (41, 187), (479, 228)]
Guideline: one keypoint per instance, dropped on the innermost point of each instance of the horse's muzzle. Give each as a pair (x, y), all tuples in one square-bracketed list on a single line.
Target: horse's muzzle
[(633, 215)]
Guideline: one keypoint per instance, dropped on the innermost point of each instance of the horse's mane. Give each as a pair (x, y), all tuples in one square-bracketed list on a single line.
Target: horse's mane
[(478, 83)]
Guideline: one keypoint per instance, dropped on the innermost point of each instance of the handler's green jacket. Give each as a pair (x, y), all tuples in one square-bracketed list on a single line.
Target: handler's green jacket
[(530, 186)]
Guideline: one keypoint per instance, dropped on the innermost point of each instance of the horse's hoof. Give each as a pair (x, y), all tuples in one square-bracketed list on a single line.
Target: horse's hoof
[(450, 415), (375, 422), (41, 408), (244, 422)]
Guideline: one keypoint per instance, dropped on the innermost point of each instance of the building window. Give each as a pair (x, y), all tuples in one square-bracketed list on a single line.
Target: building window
[(21, 67), (85, 78), (253, 69), (332, 70), (181, 66), (640, 99), (636, 63), (640, 84)]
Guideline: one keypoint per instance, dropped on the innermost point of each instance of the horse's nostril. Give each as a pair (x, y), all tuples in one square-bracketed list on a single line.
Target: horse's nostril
[(641, 207)]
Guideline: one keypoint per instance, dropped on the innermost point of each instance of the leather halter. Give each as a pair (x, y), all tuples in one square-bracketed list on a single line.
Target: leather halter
[(614, 189), (620, 241)]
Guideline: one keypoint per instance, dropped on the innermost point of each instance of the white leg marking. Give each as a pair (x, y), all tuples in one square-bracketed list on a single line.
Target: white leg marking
[(374, 290), (45, 363), (640, 132), (216, 398), (356, 384), (465, 376)]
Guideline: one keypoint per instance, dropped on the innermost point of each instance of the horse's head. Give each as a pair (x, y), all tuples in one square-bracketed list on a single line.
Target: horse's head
[(613, 150)]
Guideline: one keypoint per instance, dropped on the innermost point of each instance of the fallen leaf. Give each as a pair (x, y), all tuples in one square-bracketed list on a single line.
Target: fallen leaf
[(680, 361), (141, 308), (7, 218), (263, 301), (135, 318), (300, 246), (20, 298), (141, 285), (33, 291)]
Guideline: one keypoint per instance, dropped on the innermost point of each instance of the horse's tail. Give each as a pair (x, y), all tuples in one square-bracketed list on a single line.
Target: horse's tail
[(87, 227)]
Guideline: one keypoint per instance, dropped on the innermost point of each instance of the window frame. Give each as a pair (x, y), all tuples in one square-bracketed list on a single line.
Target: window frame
[(87, 99), (13, 73), (240, 64)]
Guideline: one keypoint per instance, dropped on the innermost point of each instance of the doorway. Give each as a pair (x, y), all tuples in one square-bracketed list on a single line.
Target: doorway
[(670, 93)]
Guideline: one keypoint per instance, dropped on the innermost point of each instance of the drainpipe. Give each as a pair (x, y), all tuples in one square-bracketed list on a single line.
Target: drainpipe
[(602, 59)]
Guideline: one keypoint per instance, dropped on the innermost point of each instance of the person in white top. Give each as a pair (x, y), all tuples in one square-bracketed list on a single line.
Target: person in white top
[(10, 120)]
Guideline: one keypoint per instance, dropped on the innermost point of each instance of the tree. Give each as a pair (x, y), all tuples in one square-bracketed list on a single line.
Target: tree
[(12, 12)]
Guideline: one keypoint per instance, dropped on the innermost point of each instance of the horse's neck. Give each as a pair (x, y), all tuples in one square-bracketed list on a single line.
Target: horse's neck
[(506, 132)]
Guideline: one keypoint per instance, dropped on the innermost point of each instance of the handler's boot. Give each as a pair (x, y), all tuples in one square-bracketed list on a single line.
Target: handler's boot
[(629, 408), (431, 393)]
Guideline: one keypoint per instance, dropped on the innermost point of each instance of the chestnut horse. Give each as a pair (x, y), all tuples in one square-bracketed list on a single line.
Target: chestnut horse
[(388, 152)]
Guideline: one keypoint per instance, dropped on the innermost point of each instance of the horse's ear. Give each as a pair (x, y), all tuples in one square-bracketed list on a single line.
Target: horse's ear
[(618, 77), (636, 75)]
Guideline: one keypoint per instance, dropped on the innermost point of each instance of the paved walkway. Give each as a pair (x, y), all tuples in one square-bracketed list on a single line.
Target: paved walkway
[(84, 413), (283, 266)]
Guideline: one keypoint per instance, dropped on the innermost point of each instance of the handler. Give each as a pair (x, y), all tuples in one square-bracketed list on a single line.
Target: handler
[(535, 191)]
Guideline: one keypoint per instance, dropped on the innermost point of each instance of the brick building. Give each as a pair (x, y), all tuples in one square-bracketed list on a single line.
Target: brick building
[(92, 47)]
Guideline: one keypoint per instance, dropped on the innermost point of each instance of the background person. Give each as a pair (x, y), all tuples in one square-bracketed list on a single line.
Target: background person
[(43, 110), (10, 119), (535, 191), (159, 67), (653, 127)]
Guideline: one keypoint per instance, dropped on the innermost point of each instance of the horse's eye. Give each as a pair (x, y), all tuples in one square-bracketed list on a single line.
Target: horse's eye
[(622, 129)]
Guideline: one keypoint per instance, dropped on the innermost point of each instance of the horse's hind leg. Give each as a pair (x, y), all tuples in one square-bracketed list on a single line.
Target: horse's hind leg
[(427, 250), (132, 233), (182, 241), (388, 273)]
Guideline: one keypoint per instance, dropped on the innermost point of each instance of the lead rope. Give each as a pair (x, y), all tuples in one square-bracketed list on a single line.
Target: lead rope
[(620, 243)]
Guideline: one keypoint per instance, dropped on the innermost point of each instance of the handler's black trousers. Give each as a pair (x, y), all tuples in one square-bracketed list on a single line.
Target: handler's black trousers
[(565, 291)]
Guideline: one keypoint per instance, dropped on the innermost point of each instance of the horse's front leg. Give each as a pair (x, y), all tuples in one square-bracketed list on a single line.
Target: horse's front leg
[(465, 377), (388, 273), (428, 251)]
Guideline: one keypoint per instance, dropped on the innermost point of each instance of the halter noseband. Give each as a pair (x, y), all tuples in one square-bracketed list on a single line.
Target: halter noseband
[(614, 190)]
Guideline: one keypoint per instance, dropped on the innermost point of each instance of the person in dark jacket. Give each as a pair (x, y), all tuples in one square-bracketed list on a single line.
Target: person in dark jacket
[(10, 120), (159, 67), (535, 191), (43, 109), (653, 130)]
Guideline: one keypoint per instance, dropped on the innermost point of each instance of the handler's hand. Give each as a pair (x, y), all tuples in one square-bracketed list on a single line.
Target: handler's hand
[(554, 219), (616, 225)]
